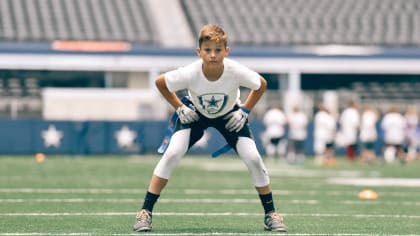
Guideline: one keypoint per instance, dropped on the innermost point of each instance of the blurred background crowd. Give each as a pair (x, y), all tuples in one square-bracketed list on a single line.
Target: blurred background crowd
[(359, 131)]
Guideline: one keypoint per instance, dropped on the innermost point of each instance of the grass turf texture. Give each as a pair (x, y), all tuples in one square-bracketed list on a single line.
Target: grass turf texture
[(100, 196)]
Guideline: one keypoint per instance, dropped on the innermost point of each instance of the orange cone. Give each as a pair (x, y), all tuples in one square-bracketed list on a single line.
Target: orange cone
[(368, 194), (39, 157)]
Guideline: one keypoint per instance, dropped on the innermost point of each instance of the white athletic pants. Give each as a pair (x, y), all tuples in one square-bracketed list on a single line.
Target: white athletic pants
[(245, 146)]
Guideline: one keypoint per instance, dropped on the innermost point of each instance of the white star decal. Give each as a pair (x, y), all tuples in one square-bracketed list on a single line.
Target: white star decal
[(52, 137), (125, 137)]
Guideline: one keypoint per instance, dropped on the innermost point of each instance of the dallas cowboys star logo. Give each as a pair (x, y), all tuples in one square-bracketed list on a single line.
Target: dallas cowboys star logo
[(125, 137), (213, 103), (52, 137)]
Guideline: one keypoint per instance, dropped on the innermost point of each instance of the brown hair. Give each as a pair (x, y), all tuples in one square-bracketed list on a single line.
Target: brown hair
[(212, 32), (393, 109)]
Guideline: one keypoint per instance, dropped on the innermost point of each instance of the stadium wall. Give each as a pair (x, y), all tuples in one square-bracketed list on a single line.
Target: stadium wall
[(27, 137)]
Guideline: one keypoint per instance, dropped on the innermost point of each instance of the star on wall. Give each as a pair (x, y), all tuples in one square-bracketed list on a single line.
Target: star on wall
[(125, 137), (52, 137)]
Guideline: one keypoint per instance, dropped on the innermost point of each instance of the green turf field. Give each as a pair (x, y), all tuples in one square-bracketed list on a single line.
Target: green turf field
[(100, 196)]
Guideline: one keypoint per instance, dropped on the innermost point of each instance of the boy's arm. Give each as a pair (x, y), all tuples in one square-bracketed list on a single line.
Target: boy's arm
[(168, 95), (255, 95), (237, 119), (185, 114)]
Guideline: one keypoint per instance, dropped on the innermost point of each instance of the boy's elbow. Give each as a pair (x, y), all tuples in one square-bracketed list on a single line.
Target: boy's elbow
[(160, 82), (263, 85)]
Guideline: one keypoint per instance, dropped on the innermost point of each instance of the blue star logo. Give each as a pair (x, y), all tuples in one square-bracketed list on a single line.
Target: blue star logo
[(213, 102)]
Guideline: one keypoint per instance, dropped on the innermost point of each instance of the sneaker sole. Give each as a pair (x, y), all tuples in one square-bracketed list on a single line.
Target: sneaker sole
[(143, 229), (275, 230)]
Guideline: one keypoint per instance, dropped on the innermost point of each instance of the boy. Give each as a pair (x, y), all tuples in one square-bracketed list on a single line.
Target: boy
[(213, 85)]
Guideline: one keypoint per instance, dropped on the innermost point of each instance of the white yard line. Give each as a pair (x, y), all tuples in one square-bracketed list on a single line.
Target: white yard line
[(265, 234), (246, 214), (375, 182), (191, 191), (379, 202), (36, 234), (130, 200), (206, 234), (281, 170), (203, 201), (72, 190)]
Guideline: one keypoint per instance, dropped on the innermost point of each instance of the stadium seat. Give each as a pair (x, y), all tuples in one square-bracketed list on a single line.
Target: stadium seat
[(311, 22), (48, 20), (265, 22)]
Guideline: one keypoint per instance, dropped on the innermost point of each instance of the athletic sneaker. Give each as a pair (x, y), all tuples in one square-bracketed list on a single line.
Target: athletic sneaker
[(143, 221), (274, 222)]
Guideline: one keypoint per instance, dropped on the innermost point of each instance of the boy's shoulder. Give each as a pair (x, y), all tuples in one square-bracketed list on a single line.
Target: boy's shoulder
[(235, 65), (231, 62), (193, 67)]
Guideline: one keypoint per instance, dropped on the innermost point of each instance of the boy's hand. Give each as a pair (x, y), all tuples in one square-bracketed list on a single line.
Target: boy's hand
[(186, 115), (237, 119)]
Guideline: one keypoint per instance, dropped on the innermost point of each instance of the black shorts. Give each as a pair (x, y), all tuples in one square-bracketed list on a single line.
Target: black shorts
[(198, 128), (275, 140), (298, 146), (368, 145)]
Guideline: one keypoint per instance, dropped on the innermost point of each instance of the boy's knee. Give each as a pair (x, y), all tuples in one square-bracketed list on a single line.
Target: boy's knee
[(254, 160)]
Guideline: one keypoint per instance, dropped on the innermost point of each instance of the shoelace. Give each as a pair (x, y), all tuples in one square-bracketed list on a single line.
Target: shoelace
[(143, 216), (276, 217)]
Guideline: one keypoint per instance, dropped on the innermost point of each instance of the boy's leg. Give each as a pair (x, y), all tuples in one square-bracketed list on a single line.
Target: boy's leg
[(248, 152), (175, 151), (156, 186), (351, 152), (266, 198)]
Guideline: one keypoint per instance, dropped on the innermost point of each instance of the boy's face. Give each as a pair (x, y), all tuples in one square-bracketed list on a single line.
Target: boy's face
[(212, 54)]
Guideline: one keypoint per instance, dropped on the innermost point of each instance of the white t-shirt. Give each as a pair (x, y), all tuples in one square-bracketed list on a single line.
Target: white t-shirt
[(349, 124), (324, 131), (324, 127), (394, 125), (412, 121), (213, 98), (274, 121), (298, 122), (368, 131)]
